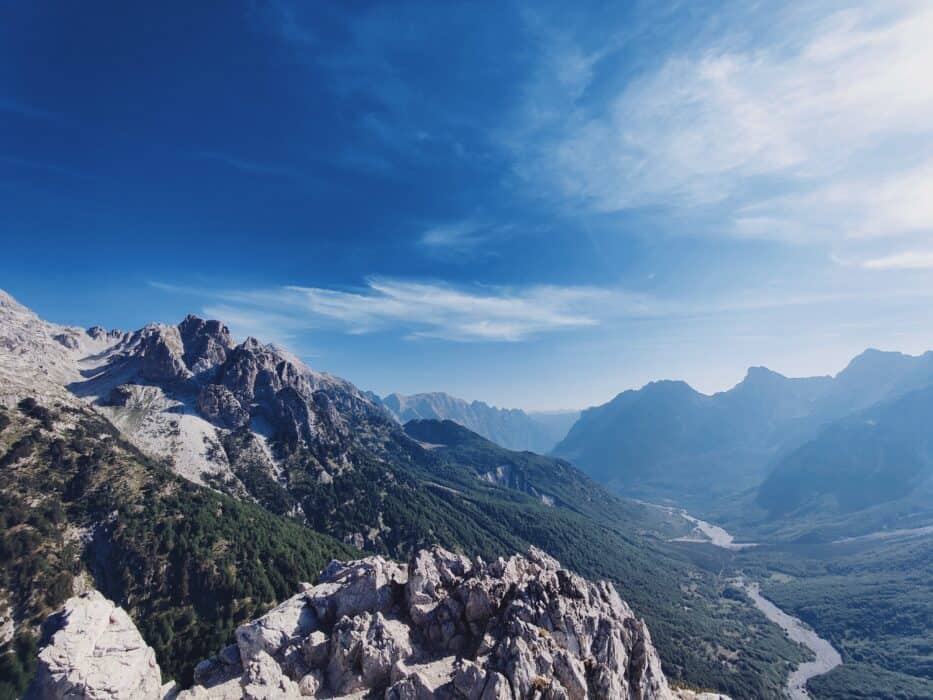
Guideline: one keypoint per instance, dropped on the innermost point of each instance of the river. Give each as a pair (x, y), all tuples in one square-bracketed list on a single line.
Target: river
[(713, 534), (827, 658)]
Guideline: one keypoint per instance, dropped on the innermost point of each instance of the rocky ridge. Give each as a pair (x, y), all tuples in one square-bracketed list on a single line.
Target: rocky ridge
[(511, 428), (178, 391), (446, 627), (96, 653)]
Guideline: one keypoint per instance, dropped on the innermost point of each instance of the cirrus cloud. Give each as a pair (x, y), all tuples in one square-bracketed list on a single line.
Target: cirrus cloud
[(417, 309), (822, 131)]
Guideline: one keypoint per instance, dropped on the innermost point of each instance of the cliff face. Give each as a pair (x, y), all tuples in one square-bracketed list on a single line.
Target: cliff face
[(445, 627)]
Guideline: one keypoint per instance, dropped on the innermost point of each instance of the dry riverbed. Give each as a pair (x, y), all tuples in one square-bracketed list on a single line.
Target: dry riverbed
[(827, 658)]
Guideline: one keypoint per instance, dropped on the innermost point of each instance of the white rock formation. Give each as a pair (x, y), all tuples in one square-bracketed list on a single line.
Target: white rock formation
[(448, 627), (98, 654)]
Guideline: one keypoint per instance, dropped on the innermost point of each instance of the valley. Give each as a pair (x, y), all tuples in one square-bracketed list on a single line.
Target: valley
[(826, 658), (863, 606), (831, 479)]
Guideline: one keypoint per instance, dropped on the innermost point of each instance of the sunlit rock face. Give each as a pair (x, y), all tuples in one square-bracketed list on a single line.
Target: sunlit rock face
[(97, 654), (445, 626), (448, 627)]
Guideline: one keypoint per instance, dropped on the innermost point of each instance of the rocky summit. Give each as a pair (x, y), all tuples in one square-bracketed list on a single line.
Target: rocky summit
[(97, 653), (446, 627)]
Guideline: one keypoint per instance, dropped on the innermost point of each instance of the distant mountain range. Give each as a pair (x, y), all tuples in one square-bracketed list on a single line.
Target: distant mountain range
[(510, 427), (866, 471), (827, 445)]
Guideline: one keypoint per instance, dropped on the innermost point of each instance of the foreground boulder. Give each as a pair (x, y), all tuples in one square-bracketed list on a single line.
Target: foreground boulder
[(97, 654), (447, 627)]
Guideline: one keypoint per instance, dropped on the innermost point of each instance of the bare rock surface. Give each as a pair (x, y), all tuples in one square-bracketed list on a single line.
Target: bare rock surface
[(447, 627), (98, 654)]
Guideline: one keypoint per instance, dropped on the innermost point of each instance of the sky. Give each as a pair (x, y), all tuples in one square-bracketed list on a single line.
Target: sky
[(537, 205)]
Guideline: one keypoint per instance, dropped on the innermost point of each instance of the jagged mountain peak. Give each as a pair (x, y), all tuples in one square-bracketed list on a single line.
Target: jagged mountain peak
[(669, 387), (177, 390), (252, 343), (873, 360), (761, 373), (206, 343), (509, 427)]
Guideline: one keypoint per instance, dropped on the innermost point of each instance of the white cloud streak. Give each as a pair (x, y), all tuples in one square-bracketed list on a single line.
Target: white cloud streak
[(431, 310), (463, 238), (835, 115), (909, 260), (486, 314), (417, 309)]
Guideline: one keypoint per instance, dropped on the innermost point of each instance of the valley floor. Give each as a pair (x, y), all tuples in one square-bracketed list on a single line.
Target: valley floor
[(864, 605)]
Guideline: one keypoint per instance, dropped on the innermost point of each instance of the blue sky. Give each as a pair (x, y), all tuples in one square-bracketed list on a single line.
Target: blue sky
[(531, 204)]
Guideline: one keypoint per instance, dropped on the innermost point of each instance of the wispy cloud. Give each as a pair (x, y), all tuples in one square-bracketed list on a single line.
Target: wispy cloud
[(418, 309), (831, 113), (441, 311), (459, 238), (872, 206), (247, 166), (908, 260)]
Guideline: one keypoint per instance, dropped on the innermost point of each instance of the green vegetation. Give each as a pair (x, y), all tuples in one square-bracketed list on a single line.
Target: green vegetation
[(189, 564), (705, 638), (873, 599), (869, 682)]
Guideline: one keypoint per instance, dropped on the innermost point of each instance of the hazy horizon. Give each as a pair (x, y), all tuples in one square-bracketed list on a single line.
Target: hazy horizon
[(466, 395)]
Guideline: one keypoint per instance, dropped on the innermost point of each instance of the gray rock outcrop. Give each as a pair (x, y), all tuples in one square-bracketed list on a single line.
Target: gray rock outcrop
[(98, 654), (205, 342), (447, 627)]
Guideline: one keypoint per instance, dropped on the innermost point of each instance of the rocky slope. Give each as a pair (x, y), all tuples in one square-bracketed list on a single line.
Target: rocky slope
[(180, 392), (81, 507), (511, 428), (877, 463), (447, 627)]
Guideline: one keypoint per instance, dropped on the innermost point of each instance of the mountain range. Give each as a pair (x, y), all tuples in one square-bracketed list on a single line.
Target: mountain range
[(510, 427), (195, 480), (773, 447)]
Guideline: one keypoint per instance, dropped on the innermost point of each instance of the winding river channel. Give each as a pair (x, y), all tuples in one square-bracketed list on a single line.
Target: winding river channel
[(827, 658)]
